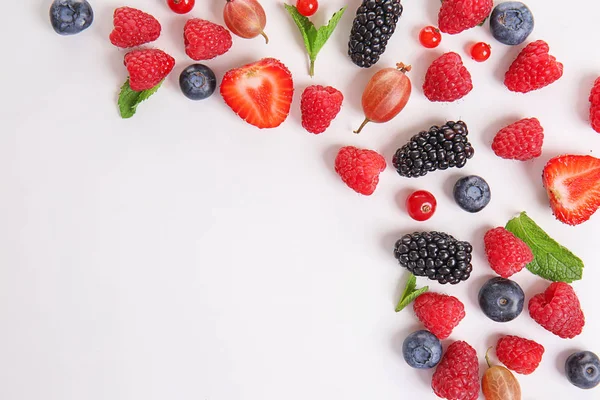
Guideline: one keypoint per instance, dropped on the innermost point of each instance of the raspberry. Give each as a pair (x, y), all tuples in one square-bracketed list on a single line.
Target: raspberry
[(447, 79), (359, 169), (205, 40), (320, 105), (519, 354), (533, 69), (521, 140), (457, 375), (506, 253), (439, 313), (558, 310), (458, 15), (133, 28), (595, 106), (147, 68)]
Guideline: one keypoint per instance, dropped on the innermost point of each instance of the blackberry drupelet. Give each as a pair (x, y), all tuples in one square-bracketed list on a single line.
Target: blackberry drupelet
[(435, 255), (439, 148), (373, 26)]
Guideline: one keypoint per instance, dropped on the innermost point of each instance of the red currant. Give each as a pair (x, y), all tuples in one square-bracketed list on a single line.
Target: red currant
[(421, 205), (430, 37), (181, 6), (481, 51), (307, 7)]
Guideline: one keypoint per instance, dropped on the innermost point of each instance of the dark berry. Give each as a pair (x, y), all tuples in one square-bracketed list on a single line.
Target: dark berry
[(583, 369), (472, 193), (511, 22), (422, 349), (197, 82), (69, 17), (501, 299)]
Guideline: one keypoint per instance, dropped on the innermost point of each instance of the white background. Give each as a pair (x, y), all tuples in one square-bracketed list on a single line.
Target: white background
[(184, 254)]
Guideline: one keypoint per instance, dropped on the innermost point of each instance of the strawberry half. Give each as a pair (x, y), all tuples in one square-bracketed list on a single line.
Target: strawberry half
[(260, 93), (573, 186)]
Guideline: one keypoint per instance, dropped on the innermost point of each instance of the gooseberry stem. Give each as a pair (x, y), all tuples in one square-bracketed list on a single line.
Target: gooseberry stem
[(265, 36), (487, 357), (365, 122)]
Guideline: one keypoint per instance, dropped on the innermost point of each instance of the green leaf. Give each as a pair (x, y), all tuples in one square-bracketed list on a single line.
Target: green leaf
[(306, 27), (130, 99), (551, 260), (325, 32), (410, 293)]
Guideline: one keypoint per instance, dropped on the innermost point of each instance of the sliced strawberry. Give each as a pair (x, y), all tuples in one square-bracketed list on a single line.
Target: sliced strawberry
[(573, 186), (260, 93)]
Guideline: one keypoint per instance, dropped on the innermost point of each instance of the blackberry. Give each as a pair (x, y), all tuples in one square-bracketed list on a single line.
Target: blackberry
[(439, 148), (435, 255), (373, 26)]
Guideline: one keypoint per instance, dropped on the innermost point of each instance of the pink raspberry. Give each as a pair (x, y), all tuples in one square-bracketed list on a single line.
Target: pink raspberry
[(320, 105)]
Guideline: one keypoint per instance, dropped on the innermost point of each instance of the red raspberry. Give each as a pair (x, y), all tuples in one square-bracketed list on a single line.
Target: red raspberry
[(506, 253), (439, 313), (133, 28), (359, 169), (519, 354), (595, 106), (558, 310), (457, 375), (458, 15), (521, 140), (533, 69), (205, 40), (447, 79), (147, 68), (320, 105)]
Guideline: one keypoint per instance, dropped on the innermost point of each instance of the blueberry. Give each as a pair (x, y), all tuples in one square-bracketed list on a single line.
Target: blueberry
[(197, 82), (472, 193), (421, 349), (69, 17), (583, 369), (501, 299), (511, 22)]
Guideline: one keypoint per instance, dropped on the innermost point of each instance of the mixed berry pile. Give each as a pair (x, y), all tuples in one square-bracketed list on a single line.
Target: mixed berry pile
[(261, 93)]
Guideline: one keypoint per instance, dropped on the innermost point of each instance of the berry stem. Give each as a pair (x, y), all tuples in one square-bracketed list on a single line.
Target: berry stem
[(487, 357), (365, 122), (403, 68), (265, 36)]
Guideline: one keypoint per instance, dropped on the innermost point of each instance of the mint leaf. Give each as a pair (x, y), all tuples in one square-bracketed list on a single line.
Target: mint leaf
[(410, 293), (130, 99), (325, 32), (552, 261)]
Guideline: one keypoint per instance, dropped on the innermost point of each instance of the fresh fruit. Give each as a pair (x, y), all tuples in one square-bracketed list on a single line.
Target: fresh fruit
[(133, 28), (583, 369), (439, 313), (519, 354), (533, 69), (421, 205), (410, 293), (70, 17), (359, 169), (439, 148), (501, 300), (498, 383), (386, 95), (457, 375), (373, 26), (147, 68), (245, 18), (260, 93), (307, 7), (558, 310), (511, 22), (521, 140), (197, 82), (320, 105), (481, 51), (181, 6), (472, 193), (595, 106), (573, 186), (506, 253), (422, 350), (430, 37), (205, 40), (459, 15), (447, 79), (435, 255)]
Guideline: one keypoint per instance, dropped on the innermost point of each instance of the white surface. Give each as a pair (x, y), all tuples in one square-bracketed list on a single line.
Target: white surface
[(184, 254)]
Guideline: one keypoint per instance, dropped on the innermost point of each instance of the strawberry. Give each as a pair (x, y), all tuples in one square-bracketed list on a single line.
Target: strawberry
[(573, 186), (260, 93)]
